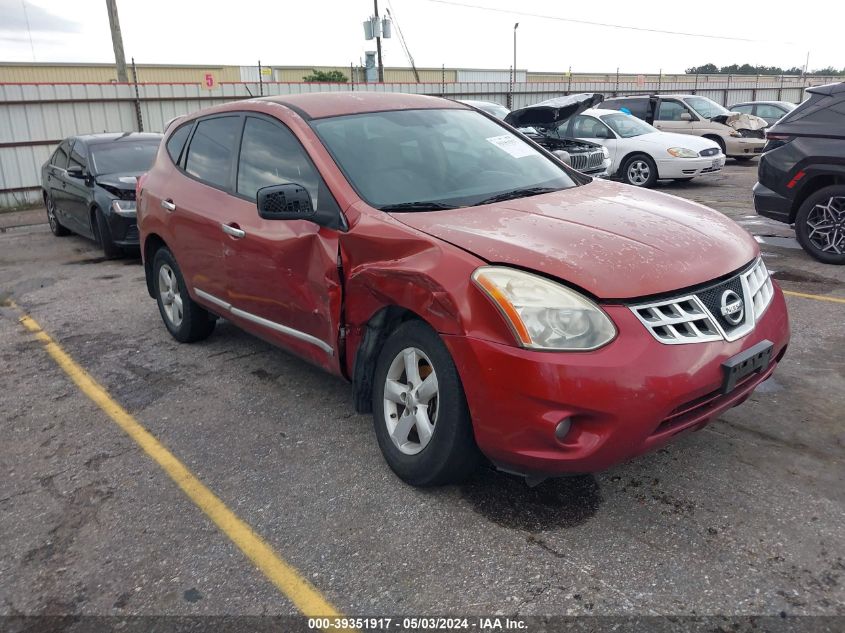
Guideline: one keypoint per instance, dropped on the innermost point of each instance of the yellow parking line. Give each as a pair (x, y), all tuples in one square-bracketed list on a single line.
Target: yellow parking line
[(298, 590), (805, 295)]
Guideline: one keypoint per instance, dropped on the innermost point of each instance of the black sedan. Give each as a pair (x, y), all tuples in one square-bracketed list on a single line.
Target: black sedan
[(89, 186)]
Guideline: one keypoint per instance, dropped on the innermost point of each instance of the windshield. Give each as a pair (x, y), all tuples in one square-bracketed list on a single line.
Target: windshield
[(445, 158), (627, 125), (498, 111), (705, 107), (123, 156)]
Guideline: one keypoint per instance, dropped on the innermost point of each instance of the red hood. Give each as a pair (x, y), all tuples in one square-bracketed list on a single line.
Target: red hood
[(615, 241)]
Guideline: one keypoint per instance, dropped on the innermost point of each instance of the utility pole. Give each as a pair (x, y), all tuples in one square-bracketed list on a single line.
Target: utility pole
[(117, 41), (378, 46), (515, 27)]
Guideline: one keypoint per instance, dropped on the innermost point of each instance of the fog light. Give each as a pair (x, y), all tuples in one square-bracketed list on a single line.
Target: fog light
[(562, 429)]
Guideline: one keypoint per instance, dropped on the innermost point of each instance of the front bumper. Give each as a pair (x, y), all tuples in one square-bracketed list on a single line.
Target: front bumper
[(771, 204), (742, 146), (690, 167), (124, 229), (628, 398)]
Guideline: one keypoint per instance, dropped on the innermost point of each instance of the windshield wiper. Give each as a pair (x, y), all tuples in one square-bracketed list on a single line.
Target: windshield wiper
[(417, 206), (517, 193)]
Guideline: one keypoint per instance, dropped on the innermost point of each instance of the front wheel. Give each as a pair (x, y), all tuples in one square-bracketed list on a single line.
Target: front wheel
[(820, 225), (420, 413), (185, 319), (639, 171)]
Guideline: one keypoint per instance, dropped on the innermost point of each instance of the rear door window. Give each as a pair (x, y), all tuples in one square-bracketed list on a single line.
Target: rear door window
[(212, 149), (637, 106), (271, 155), (744, 109)]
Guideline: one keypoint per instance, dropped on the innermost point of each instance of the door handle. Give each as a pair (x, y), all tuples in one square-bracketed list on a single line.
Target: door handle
[(234, 231), (168, 205)]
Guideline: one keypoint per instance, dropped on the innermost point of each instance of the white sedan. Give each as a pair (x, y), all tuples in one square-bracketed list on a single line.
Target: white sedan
[(641, 154)]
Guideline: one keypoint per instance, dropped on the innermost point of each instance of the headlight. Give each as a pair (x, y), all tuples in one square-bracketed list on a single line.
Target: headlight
[(126, 208), (682, 152), (543, 314), (605, 152)]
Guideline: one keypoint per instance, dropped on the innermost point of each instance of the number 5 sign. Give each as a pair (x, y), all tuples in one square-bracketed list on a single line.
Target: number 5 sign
[(209, 82)]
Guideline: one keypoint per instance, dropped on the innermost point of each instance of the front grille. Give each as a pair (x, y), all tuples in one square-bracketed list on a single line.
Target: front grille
[(752, 133), (698, 316), (131, 233), (587, 160), (682, 320), (712, 297), (710, 151)]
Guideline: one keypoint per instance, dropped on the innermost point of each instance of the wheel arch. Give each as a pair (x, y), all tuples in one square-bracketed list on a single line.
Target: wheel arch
[(634, 153), (718, 140), (375, 332), (812, 184), (151, 245)]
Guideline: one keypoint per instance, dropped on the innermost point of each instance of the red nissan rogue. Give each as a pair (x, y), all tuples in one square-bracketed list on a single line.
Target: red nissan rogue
[(482, 297)]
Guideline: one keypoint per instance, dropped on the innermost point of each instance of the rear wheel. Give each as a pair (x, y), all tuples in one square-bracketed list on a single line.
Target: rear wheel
[(186, 320), (420, 413), (639, 171), (820, 225), (55, 226), (110, 249)]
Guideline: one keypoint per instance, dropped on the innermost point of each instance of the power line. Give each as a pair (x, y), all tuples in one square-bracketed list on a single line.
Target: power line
[(604, 24)]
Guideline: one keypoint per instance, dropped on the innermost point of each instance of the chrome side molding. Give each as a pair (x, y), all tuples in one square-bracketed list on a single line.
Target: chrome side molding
[(272, 325)]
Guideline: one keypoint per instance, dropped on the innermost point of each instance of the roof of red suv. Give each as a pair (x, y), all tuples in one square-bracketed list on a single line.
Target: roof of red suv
[(317, 105)]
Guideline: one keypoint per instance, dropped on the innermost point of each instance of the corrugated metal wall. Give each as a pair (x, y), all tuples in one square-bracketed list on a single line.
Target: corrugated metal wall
[(35, 117)]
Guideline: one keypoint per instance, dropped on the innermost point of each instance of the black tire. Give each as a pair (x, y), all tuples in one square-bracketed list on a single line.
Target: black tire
[(55, 226), (639, 170), (681, 179), (719, 141), (110, 249), (196, 322), (451, 454), (813, 242)]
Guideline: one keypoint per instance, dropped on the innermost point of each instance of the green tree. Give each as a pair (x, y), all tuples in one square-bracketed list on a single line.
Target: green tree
[(326, 77), (706, 69)]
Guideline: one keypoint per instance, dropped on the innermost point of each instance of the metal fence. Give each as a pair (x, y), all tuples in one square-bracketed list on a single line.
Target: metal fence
[(34, 118)]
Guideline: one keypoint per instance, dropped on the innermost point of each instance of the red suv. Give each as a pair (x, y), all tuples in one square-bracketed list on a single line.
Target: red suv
[(481, 296)]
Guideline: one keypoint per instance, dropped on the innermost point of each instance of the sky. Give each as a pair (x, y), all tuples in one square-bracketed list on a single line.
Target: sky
[(330, 32)]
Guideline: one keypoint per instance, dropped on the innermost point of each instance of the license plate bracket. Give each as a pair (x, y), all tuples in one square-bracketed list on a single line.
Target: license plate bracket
[(753, 360)]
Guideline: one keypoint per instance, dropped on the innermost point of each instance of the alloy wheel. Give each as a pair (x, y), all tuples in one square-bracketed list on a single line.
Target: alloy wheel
[(171, 300), (51, 215), (411, 396), (638, 173), (826, 224)]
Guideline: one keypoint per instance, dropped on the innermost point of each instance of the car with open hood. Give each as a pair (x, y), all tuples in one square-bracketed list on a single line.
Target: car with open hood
[(88, 186), (484, 299), (771, 111), (739, 136), (640, 154), (541, 123)]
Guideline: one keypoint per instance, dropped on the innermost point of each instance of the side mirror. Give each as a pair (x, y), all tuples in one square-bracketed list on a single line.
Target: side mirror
[(292, 201), (563, 156), (686, 116), (76, 172)]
